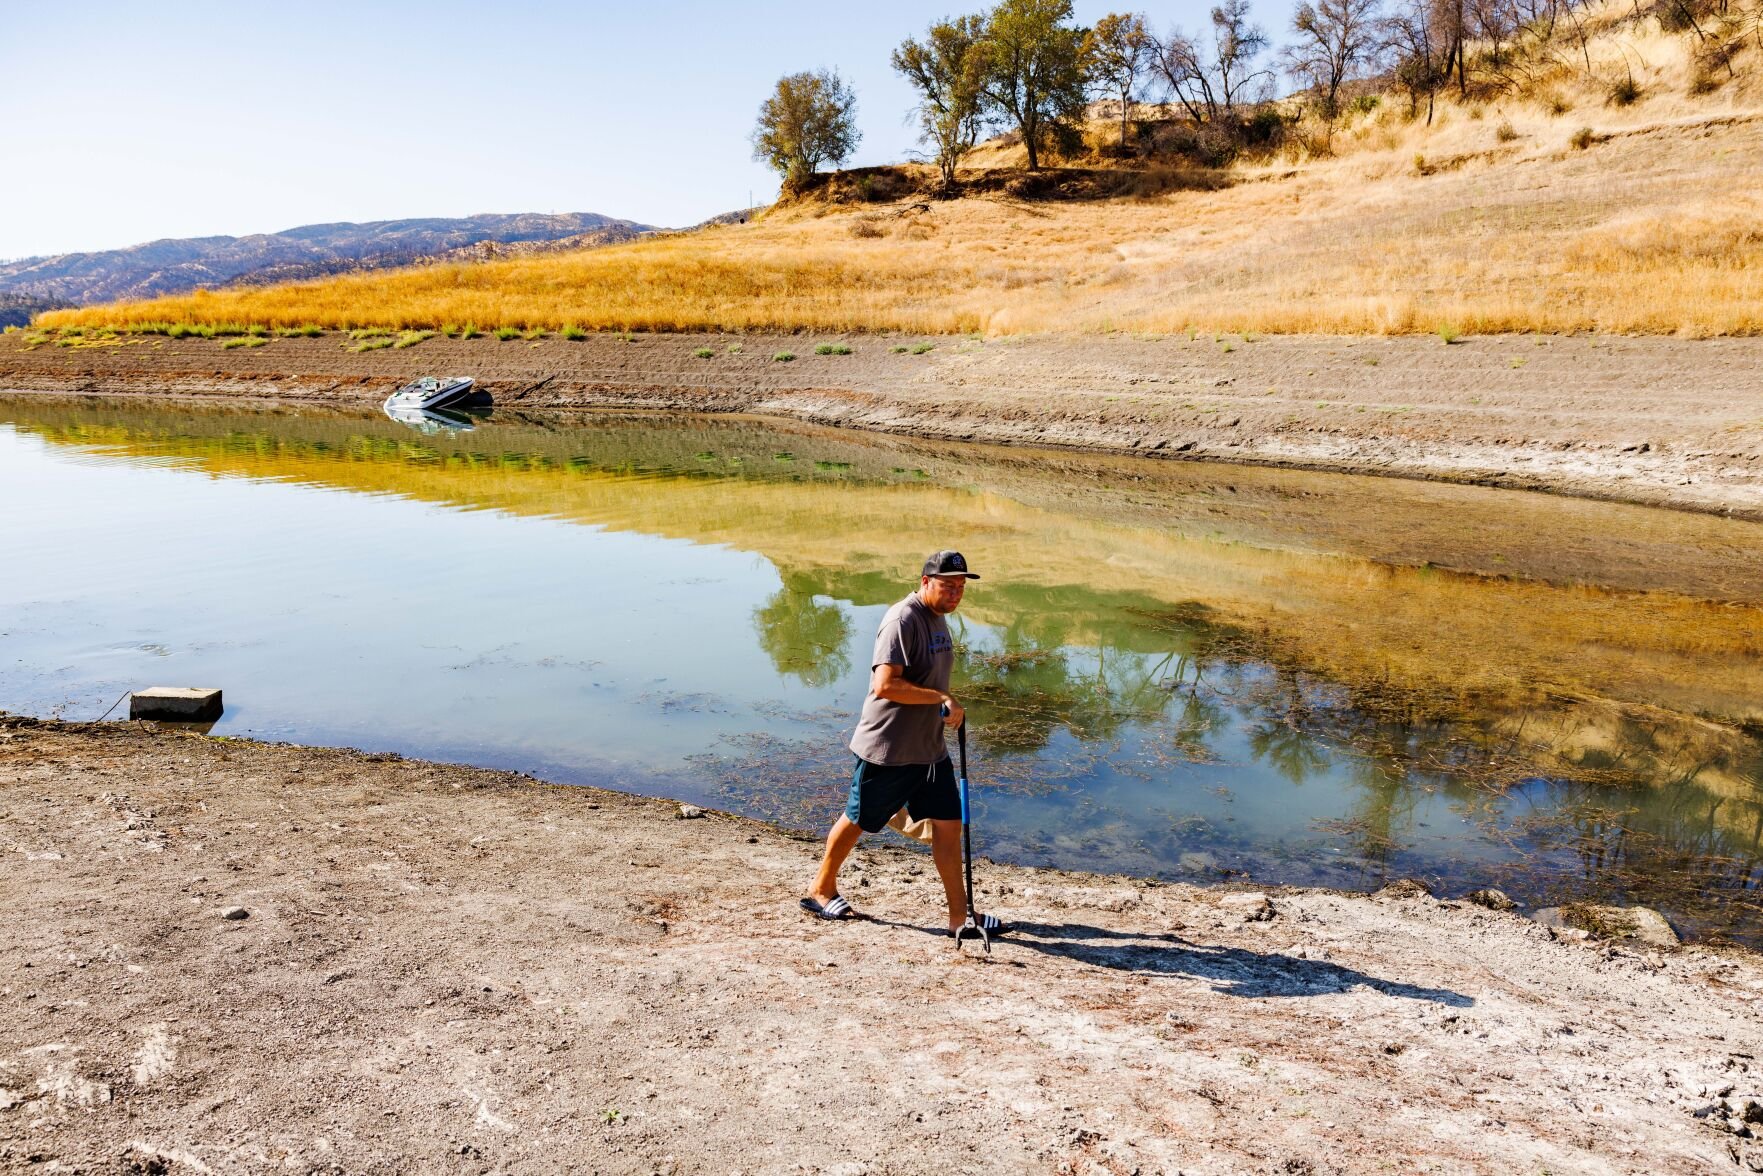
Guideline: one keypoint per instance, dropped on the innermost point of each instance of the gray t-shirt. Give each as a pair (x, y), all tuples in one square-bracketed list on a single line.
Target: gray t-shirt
[(915, 638)]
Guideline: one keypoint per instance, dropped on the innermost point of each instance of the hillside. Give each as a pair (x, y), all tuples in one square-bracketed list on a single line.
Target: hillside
[(174, 266), (1607, 185)]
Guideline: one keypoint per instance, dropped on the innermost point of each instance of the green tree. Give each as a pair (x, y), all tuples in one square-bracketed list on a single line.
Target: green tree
[(948, 69), (1036, 68), (1120, 50), (810, 119)]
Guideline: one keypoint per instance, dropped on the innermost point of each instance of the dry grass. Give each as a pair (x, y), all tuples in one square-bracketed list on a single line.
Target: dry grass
[(1501, 226)]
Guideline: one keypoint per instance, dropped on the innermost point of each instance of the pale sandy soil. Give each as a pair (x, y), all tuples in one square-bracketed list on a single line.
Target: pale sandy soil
[(1669, 422), (453, 970)]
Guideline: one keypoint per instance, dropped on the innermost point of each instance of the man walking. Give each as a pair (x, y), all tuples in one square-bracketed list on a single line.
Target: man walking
[(901, 747)]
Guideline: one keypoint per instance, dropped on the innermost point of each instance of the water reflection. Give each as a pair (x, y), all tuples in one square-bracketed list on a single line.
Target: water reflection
[(807, 637), (1175, 672)]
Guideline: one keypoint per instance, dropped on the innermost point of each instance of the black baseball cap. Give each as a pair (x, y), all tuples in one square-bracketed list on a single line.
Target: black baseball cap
[(948, 563)]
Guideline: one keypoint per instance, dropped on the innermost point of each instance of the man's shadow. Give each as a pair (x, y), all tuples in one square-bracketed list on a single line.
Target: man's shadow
[(1232, 971)]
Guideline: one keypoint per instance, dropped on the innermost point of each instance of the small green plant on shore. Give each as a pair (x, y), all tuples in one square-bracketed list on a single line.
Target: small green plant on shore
[(832, 349), (469, 331), (305, 331), (573, 333), (784, 357), (734, 349), (534, 333), (368, 332), (412, 338), (503, 334), (704, 353), (244, 341), (374, 344), (921, 348), (1226, 346), (901, 349), (1448, 332), (257, 331)]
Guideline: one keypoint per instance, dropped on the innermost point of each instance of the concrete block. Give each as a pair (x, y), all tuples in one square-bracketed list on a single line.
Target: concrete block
[(176, 704)]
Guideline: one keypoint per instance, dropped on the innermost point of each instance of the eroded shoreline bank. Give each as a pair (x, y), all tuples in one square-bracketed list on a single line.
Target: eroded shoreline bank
[(1661, 422), (450, 969)]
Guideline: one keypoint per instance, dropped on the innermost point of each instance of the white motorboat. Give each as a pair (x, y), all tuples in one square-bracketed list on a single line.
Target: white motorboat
[(431, 392)]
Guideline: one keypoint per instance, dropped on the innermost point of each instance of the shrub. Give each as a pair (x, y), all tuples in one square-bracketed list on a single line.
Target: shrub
[(734, 348), (832, 349), (1556, 105), (534, 333), (503, 334), (1505, 132), (368, 332), (704, 353), (373, 344), (469, 331), (921, 348), (1626, 92), (1583, 138), (902, 349), (257, 331), (573, 333), (412, 338), (867, 227), (245, 341), (1448, 332), (783, 357), (304, 331)]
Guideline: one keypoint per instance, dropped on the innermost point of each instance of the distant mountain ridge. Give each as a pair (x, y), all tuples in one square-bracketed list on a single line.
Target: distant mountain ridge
[(177, 265)]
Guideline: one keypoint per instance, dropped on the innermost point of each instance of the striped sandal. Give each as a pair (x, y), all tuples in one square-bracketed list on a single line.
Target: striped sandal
[(992, 924), (836, 910)]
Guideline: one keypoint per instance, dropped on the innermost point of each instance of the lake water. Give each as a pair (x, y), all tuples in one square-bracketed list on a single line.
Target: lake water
[(1180, 671)]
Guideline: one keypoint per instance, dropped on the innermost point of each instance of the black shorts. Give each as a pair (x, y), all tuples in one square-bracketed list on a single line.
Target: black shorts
[(878, 791)]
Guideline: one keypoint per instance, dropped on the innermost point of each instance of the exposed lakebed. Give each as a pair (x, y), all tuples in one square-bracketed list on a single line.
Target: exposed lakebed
[(1175, 671)]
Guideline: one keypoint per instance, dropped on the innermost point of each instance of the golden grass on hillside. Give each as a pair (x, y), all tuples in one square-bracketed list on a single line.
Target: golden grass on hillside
[(1488, 219)]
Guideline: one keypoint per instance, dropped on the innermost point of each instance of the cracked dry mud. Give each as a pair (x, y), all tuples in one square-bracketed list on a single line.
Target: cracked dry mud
[(446, 969), (1662, 421)]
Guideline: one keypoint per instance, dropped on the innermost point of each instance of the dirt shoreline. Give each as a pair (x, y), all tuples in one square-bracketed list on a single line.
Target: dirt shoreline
[(446, 969), (1657, 421)]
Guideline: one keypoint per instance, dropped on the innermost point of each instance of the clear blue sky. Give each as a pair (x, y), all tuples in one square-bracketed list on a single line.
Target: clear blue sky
[(128, 122)]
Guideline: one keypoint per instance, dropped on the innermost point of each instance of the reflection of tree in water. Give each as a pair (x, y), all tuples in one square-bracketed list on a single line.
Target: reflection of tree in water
[(1030, 688), (1692, 853), (804, 638), (1282, 728)]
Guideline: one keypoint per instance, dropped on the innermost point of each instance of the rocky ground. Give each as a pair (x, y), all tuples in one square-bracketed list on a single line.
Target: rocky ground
[(224, 956), (1668, 422)]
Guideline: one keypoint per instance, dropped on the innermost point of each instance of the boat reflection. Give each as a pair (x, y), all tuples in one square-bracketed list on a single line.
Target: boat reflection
[(432, 420)]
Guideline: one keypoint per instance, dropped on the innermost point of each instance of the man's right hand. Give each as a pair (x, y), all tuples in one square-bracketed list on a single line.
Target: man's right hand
[(953, 713)]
